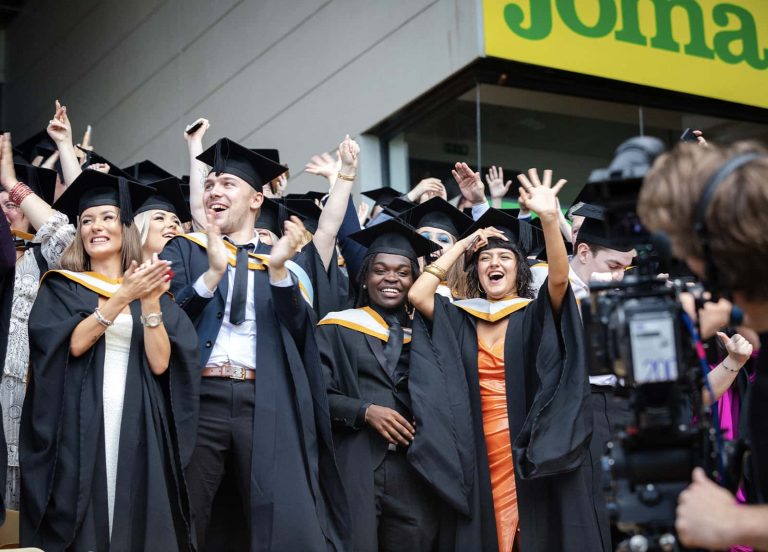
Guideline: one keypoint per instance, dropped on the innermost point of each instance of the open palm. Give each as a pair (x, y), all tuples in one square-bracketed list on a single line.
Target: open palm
[(540, 195)]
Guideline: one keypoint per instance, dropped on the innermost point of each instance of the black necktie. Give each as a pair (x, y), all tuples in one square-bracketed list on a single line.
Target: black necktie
[(394, 345), (240, 288)]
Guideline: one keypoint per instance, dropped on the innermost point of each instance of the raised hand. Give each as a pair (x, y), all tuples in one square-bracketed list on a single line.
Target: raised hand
[(7, 170), (495, 181), (285, 248), (280, 184), (426, 189), (197, 136), (739, 349), (349, 151), (324, 165), (469, 182), (85, 146), (540, 196), (59, 128), (700, 138)]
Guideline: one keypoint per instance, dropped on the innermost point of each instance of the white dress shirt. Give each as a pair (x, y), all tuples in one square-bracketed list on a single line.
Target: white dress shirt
[(236, 345)]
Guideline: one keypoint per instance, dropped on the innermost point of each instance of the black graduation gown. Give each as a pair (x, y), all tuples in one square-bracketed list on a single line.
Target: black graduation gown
[(63, 493), (550, 426), (295, 481), (346, 354), (331, 286)]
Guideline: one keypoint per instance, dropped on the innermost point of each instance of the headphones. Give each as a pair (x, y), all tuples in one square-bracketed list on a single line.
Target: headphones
[(712, 275)]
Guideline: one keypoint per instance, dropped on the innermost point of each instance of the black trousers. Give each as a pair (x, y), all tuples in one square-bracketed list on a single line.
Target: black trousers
[(224, 446), (609, 413), (406, 508)]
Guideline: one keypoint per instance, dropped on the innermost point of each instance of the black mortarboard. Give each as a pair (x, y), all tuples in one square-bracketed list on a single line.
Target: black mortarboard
[(273, 215), (147, 172), (93, 158), (438, 213), (41, 181), (226, 156), (307, 209), (311, 195), (398, 205), (595, 229), (37, 144), (167, 196), (382, 196), (94, 188), (271, 154), (395, 237), (514, 229), (538, 246)]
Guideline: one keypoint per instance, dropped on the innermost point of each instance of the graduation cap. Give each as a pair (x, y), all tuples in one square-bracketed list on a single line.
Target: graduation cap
[(271, 154), (226, 156), (538, 246), (273, 215), (398, 206), (93, 158), (37, 144), (515, 230), (596, 229), (93, 188), (395, 237), (307, 209), (311, 195), (382, 196), (41, 181), (167, 196), (147, 172), (438, 213)]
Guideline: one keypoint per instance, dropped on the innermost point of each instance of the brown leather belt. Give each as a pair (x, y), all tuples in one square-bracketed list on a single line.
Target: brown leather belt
[(228, 371)]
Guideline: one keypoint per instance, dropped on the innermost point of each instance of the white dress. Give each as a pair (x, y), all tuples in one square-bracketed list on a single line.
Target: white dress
[(118, 345)]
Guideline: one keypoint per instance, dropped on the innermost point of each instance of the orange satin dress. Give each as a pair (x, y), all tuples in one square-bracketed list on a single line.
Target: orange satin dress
[(493, 398)]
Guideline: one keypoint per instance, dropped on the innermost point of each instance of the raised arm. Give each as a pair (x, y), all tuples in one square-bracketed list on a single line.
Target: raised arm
[(60, 131), (197, 174), (34, 207), (541, 197), (336, 205), (422, 292)]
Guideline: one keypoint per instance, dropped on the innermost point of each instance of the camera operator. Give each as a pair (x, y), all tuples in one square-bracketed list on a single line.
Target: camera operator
[(713, 205)]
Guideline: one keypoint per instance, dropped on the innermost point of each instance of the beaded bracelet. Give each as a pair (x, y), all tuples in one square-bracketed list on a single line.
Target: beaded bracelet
[(19, 193)]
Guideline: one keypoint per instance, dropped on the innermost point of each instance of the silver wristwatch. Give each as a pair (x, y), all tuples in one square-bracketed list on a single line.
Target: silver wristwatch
[(152, 319)]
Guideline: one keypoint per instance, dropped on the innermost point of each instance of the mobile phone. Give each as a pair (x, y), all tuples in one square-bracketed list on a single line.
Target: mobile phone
[(688, 136), (194, 128)]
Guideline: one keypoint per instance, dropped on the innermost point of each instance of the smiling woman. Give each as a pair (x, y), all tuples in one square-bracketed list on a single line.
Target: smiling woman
[(111, 386), (505, 429)]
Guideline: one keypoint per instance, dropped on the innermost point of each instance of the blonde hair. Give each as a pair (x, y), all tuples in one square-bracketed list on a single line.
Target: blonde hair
[(76, 259)]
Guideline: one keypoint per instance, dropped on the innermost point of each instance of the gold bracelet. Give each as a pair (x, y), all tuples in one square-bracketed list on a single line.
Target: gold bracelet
[(347, 177), (439, 273)]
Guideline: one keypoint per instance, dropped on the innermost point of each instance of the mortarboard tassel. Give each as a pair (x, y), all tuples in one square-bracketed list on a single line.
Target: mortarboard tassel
[(124, 199)]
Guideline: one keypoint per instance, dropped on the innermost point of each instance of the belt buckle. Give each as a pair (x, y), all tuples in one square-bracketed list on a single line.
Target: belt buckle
[(238, 373)]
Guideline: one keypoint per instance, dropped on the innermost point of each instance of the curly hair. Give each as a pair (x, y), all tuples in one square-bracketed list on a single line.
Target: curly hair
[(362, 299), (523, 276)]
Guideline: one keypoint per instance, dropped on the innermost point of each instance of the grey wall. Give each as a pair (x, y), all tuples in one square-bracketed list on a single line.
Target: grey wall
[(291, 74)]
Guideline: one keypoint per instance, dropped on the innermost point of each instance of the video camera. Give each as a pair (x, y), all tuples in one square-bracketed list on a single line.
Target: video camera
[(637, 330)]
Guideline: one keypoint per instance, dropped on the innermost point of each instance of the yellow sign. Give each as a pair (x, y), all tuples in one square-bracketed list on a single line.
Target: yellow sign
[(713, 48)]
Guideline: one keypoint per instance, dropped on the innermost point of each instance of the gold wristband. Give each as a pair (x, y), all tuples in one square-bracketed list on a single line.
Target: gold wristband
[(347, 177), (439, 273)]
